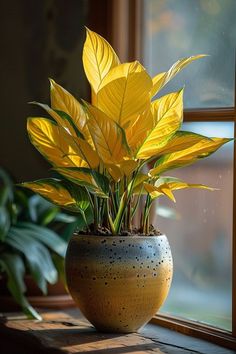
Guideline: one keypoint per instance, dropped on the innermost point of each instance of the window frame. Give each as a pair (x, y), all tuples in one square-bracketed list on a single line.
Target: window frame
[(126, 23)]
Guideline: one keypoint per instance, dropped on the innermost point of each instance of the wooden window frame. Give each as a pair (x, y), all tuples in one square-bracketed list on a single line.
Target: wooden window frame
[(124, 29)]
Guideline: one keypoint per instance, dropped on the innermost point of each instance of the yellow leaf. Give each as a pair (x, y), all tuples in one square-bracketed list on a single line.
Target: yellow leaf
[(108, 137), (53, 192), (138, 131), (87, 153), (168, 115), (125, 93), (63, 101), (176, 184), (138, 183), (64, 123), (128, 166), (98, 58), (181, 140), (156, 192), (114, 171), (160, 80), (54, 143), (181, 158)]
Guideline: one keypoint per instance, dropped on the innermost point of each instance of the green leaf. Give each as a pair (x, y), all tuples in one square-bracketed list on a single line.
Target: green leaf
[(42, 234), (48, 215), (5, 193), (65, 218), (5, 222), (15, 269), (78, 225), (37, 256), (6, 181)]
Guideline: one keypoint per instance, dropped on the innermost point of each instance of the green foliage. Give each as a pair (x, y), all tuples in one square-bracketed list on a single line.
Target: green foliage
[(30, 241)]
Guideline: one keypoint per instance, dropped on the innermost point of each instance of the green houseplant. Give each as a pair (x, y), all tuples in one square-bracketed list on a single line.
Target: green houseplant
[(99, 151), (30, 246)]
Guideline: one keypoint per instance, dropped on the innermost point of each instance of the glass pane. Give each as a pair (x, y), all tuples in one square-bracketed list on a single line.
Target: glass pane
[(200, 235), (175, 29)]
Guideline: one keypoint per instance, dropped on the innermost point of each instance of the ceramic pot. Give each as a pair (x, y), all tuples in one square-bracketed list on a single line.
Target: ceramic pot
[(119, 282)]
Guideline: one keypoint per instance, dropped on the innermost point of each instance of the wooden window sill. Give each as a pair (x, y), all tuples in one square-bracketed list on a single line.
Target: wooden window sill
[(69, 332)]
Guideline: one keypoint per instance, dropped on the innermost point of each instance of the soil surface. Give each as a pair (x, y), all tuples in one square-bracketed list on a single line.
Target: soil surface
[(104, 231)]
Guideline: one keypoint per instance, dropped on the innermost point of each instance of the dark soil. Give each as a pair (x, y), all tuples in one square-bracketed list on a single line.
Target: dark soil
[(104, 231)]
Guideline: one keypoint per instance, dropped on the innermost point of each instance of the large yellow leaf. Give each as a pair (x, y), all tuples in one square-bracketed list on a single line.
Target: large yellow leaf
[(138, 131), (54, 143), (98, 58), (181, 158), (179, 141), (64, 101), (168, 115), (160, 80), (125, 93), (108, 136)]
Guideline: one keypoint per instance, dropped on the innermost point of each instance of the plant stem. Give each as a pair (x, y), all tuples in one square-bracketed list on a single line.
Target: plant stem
[(145, 226), (110, 219), (95, 203), (124, 202)]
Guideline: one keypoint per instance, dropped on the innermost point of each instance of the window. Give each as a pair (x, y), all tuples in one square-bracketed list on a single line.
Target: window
[(159, 32), (201, 233)]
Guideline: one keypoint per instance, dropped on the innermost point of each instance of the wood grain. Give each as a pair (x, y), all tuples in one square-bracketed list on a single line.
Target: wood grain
[(69, 332)]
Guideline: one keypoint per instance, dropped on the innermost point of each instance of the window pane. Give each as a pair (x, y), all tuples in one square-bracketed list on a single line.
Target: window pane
[(175, 29), (200, 235)]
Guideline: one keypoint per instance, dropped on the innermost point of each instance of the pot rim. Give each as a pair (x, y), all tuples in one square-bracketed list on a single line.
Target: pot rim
[(135, 236)]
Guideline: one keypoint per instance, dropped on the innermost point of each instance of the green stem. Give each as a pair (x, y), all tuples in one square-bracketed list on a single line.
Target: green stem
[(124, 202), (84, 218), (145, 226), (95, 202), (110, 219)]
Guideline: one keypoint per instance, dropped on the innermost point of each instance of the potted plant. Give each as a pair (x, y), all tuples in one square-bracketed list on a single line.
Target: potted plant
[(118, 274), (33, 241)]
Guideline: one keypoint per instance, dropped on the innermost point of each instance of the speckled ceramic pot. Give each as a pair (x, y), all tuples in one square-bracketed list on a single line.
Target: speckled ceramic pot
[(119, 283)]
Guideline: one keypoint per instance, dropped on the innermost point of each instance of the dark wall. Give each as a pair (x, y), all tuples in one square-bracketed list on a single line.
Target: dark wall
[(40, 39)]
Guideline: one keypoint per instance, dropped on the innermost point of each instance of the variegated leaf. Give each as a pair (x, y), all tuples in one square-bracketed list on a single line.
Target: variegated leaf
[(98, 58), (54, 143), (138, 131), (63, 101), (61, 193), (156, 192), (168, 115), (95, 182), (160, 80), (108, 137), (119, 90), (203, 148)]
